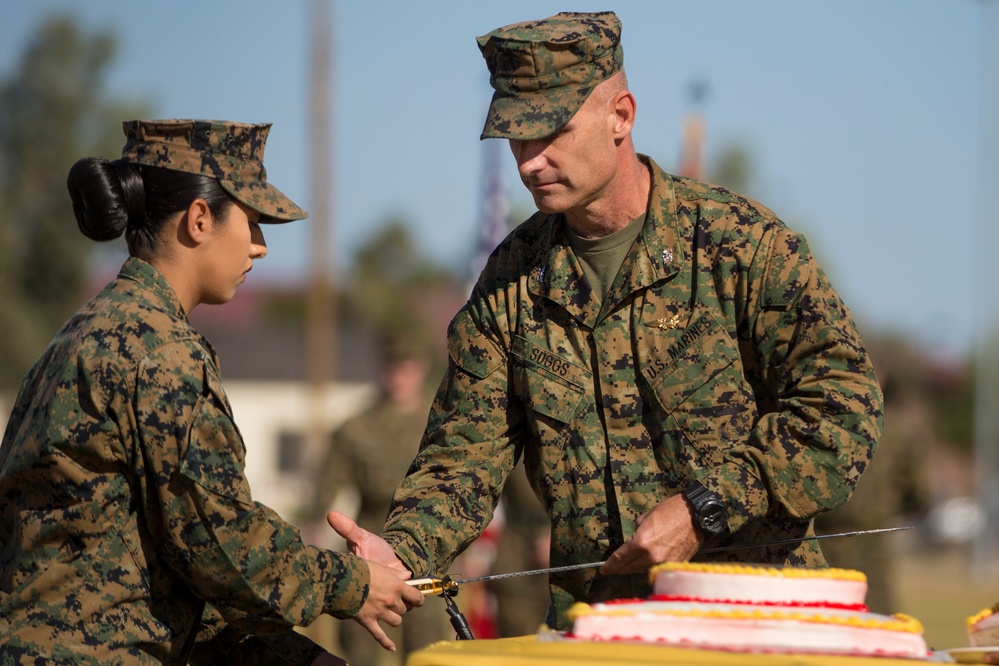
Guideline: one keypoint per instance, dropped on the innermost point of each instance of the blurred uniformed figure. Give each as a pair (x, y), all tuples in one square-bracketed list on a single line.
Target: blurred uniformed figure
[(522, 601), (371, 452), (895, 485)]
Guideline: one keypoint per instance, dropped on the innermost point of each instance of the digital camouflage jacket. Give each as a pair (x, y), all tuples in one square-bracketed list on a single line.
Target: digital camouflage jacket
[(124, 505), (720, 354)]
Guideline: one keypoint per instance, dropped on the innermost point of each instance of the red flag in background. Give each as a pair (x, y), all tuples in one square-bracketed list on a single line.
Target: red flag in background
[(692, 151), (691, 162)]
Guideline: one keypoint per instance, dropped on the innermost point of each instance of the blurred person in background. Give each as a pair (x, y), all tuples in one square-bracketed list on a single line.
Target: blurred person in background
[(524, 540), (894, 487), (129, 531), (371, 452)]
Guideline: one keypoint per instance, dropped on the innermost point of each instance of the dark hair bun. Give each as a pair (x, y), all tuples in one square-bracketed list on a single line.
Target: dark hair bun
[(107, 197)]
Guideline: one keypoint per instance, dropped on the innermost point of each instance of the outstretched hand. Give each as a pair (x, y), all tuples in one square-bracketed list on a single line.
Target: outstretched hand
[(664, 534), (389, 597), (364, 543)]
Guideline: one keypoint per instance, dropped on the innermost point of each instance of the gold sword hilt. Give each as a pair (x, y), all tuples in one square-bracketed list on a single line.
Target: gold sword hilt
[(447, 588), (432, 586)]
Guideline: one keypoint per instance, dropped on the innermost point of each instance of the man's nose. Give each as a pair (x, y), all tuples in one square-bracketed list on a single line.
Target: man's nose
[(529, 154)]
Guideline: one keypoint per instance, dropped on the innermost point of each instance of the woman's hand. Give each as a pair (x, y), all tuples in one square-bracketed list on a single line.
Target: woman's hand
[(389, 597)]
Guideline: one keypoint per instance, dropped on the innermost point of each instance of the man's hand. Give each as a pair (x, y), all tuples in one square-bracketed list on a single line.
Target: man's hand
[(665, 534), (365, 544), (389, 597)]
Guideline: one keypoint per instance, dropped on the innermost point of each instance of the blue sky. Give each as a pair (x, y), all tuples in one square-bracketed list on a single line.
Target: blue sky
[(864, 120)]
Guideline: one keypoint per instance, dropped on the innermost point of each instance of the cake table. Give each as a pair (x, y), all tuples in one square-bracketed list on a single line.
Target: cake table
[(529, 651)]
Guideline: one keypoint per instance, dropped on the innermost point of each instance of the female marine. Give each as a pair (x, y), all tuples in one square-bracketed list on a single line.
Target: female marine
[(128, 533)]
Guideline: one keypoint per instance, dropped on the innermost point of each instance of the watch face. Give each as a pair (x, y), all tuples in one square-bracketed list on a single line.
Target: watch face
[(713, 518), (708, 508)]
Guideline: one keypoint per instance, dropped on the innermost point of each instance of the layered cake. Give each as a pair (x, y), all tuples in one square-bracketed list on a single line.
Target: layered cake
[(983, 628), (753, 608)]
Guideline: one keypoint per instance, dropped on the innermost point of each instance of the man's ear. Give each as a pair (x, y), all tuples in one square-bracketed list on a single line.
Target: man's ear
[(623, 107), (197, 222)]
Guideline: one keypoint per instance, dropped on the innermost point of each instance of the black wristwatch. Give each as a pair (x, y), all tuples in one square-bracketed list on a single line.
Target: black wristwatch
[(709, 509)]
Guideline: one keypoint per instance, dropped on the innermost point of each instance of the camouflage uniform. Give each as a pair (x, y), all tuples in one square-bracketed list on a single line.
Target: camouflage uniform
[(124, 500), (124, 507), (721, 354)]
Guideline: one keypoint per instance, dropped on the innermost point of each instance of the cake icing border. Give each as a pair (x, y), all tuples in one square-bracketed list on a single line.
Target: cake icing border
[(831, 573)]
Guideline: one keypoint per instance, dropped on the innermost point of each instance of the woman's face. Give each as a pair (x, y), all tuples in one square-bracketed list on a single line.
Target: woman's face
[(236, 242)]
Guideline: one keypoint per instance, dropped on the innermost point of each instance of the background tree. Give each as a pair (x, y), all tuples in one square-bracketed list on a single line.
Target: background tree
[(733, 168), (390, 285), (53, 110)]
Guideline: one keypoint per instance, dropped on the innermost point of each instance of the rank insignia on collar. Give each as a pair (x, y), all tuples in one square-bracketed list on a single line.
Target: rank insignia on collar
[(667, 323)]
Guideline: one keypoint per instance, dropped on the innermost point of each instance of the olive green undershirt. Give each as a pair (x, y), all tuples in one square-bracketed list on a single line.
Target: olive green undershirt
[(601, 258)]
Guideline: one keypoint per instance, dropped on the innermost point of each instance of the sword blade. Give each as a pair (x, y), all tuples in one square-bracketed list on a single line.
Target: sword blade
[(720, 549), (782, 542), (533, 572)]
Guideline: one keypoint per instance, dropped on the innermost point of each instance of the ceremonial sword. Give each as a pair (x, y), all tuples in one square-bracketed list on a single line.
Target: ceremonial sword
[(447, 586)]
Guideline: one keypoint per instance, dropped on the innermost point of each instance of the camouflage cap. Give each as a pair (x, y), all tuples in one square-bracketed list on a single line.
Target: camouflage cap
[(397, 346), (543, 71), (231, 152)]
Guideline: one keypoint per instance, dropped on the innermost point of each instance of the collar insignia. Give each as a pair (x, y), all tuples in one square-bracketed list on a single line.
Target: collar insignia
[(667, 323)]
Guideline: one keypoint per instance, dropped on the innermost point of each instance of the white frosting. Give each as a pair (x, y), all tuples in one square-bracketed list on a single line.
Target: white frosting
[(743, 608), (759, 588), (656, 622)]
